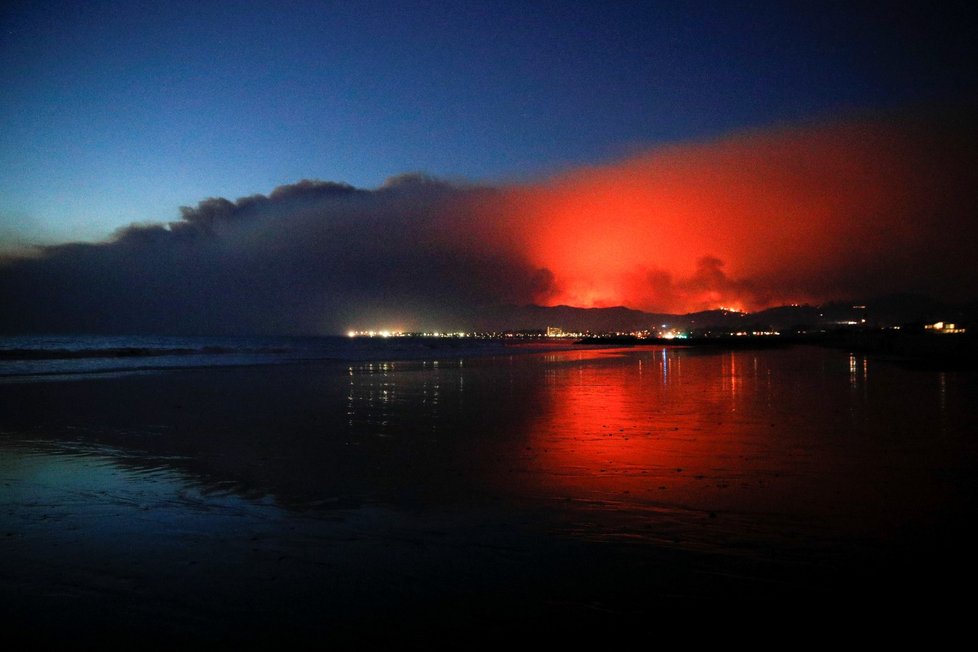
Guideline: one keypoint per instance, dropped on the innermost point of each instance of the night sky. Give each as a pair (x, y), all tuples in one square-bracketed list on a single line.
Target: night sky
[(410, 162)]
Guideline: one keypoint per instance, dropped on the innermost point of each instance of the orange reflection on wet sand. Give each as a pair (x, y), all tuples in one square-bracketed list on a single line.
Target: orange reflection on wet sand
[(711, 448), (629, 426)]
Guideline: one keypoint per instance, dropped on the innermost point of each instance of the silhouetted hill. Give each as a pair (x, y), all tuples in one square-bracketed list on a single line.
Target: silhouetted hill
[(889, 310), (568, 318)]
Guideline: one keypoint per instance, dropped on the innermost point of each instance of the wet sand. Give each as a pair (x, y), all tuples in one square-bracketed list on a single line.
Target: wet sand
[(559, 495)]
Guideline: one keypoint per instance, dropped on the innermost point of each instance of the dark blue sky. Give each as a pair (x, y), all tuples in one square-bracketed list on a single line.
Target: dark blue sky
[(114, 112)]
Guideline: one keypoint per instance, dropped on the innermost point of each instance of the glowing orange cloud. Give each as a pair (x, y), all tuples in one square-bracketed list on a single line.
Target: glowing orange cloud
[(768, 217), (845, 210)]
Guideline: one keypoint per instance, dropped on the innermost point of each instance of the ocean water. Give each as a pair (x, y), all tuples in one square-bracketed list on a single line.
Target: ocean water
[(390, 500), (38, 356)]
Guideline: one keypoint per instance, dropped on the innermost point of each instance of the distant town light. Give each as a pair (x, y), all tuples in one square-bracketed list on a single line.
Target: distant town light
[(944, 328), (375, 333)]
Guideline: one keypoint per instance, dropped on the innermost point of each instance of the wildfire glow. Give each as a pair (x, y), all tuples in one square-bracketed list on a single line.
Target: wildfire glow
[(773, 217)]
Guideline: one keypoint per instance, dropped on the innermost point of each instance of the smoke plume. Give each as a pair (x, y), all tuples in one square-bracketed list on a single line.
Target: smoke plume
[(799, 213)]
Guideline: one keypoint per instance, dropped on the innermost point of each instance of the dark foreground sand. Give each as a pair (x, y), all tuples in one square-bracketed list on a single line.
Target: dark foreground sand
[(559, 496)]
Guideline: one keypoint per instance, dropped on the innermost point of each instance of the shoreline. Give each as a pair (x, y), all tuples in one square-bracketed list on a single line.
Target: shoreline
[(587, 489), (227, 359)]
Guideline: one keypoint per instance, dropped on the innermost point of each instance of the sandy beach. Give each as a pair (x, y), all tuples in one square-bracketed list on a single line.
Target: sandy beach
[(560, 494)]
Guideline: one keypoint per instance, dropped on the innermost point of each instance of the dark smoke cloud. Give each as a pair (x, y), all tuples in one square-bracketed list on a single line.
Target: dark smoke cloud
[(312, 257), (853, 208)]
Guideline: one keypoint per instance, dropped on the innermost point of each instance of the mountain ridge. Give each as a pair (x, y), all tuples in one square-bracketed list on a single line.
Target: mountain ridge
[(881, 311)]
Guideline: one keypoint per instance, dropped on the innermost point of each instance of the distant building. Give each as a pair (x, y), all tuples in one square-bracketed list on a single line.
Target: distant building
[(943, 327)]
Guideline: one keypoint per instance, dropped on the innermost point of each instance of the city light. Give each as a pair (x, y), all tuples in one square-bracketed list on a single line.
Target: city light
[(944, 328)]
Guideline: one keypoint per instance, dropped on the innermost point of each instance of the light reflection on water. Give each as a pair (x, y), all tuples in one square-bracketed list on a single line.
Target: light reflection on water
[(749, 448), (741, 431), (611, 432), (71, 512), (722, 451), (613, 422)]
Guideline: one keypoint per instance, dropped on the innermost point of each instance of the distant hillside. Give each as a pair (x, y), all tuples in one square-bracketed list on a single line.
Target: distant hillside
[(891, 310), (568, 318)]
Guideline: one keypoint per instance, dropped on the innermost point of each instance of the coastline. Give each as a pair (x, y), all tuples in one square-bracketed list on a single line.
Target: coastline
[(386, 501), (23, 359)]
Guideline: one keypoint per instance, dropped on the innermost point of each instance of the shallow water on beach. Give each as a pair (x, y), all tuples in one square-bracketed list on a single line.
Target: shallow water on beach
[(66, 357), (584, 487)]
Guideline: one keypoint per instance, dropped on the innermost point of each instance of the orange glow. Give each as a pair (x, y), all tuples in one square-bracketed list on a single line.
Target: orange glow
[(620, 428), (771, 217)]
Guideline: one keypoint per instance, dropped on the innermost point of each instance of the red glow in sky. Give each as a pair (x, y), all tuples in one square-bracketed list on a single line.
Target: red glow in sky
[(769, 217), (850, 210)]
